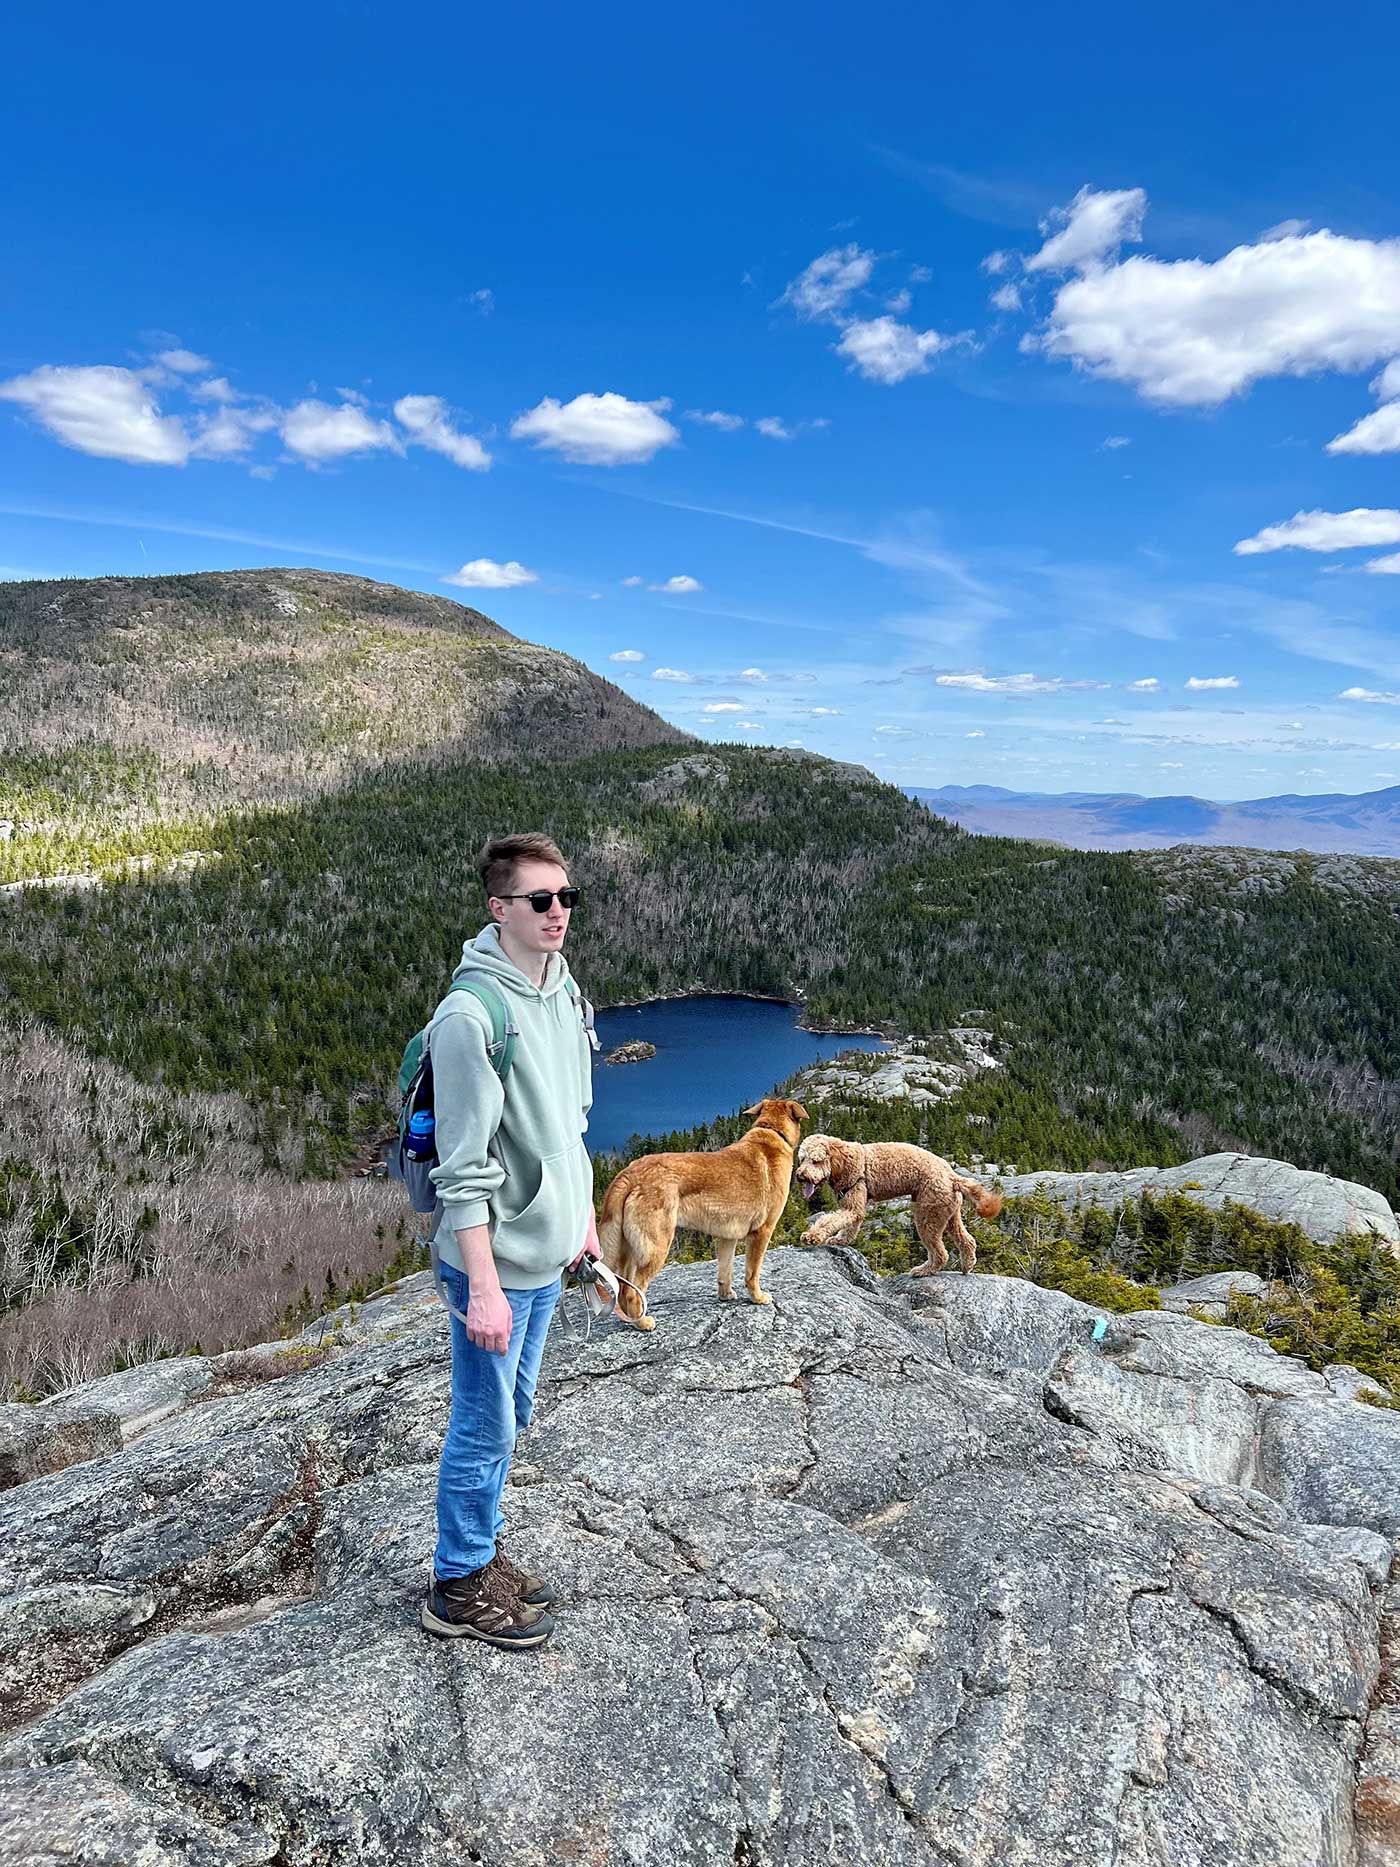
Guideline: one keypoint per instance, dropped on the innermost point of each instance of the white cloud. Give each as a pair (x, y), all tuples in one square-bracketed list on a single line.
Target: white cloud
[(1387, 566), (598, 430), (351, 395), (486, 574), (723, 706), (1326, 531), (753, 674), (316, 431), (426, 419), (1012, 683), (484, 300), (749, 726), (1007, 297), (1089, 229), (1117, 440), (1197, 683), (671, 674), (99, 409), (997, 263), (775, 429), (977, 735), (715, 418), (1149, 686), (633, 583), (1378, 433), (1195, 332), (216, 389), (627, 654), (824, 713), (1368, 694), (824, 289), (1285, 230), (678, 586), (900, 301), (886, 351), (231, 431), (183, 362), (920, 275)]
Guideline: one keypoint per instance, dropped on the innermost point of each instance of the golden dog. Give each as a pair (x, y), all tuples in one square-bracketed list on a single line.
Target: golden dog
[(734, 1192), (863, 1172)]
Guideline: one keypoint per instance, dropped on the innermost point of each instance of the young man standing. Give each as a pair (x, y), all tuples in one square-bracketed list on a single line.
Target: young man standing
[(516, 1186)]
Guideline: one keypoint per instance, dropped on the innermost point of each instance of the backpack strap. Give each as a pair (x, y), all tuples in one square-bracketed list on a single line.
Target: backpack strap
[(584, 1009), (504, 1032)]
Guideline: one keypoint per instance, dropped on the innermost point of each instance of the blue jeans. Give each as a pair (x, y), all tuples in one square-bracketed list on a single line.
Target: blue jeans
[(493, 1397)]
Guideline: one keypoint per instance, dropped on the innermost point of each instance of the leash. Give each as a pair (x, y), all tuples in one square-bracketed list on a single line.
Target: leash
[(597, 1284)]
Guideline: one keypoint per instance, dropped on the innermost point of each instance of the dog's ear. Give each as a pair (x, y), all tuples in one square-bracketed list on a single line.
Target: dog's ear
[(757, 1109), (798, 1112)]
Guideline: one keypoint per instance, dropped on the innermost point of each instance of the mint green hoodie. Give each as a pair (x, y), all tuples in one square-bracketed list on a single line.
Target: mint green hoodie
[(511, 1155)]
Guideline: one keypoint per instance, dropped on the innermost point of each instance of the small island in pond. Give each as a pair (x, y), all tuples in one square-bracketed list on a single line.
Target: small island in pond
[(636, 1052)]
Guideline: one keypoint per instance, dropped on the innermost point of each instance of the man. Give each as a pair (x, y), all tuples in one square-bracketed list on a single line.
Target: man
[(516, 1186)]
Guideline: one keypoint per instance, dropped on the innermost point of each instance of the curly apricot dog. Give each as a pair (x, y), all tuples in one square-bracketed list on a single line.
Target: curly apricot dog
[(861, 1173)]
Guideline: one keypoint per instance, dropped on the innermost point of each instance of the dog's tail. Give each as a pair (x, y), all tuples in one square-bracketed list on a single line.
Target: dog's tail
[(988, 1204), (610, 1231), (618, 1249)]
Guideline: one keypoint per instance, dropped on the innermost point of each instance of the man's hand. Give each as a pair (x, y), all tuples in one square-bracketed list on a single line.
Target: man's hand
[(591, 1247), (489, 1316), (489, 1320)]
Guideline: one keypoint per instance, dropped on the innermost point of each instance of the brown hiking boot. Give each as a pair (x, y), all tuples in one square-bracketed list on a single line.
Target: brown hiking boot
[(533, 1590), (484, 1606)]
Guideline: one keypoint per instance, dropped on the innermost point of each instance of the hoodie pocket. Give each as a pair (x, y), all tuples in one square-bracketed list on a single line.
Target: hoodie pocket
[(541, 1232)]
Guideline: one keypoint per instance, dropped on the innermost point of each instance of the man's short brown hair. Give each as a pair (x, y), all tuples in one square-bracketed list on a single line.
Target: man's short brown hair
[(499, 858)]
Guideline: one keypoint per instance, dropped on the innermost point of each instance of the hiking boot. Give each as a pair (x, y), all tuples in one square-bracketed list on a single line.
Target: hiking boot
[(484, 1606), (532, 1590)]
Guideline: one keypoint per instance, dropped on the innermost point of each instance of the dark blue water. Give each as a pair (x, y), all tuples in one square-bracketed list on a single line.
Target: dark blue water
[(713, 1055)]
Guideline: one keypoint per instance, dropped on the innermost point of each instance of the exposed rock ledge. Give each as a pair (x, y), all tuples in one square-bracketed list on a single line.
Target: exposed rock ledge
[(1325, 1207), (885, 1573)]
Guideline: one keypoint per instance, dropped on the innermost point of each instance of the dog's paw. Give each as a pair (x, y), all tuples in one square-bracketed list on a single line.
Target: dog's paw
[(645, 1322), (759, 1296)]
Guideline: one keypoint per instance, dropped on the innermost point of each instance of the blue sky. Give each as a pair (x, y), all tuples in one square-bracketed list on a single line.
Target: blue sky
[(1020, 325)]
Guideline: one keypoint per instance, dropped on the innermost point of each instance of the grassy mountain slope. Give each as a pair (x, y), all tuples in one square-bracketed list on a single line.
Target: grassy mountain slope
[(127, 701)]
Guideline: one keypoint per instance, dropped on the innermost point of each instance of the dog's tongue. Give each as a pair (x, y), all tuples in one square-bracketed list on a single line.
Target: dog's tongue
[(809, 1187)]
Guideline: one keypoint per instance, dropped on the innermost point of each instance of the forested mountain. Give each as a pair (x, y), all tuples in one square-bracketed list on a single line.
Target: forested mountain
[(180, 1035)]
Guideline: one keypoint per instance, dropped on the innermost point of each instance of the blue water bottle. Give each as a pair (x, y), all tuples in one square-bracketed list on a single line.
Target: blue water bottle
[(420, 1142)]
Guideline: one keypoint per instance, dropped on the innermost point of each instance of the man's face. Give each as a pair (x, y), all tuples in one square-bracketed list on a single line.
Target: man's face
[(531, 932)]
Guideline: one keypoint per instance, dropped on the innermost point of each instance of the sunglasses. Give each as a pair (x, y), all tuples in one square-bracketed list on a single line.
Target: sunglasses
[(540, 898)]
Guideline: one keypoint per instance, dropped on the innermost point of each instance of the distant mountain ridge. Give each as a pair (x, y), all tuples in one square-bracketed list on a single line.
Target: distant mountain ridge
[(1329, 823)]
